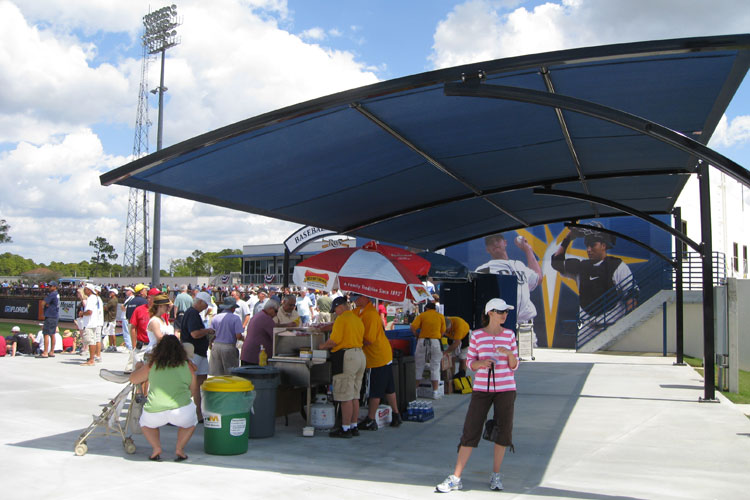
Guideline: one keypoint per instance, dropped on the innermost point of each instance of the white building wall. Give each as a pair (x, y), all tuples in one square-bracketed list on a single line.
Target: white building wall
[(730, 209)]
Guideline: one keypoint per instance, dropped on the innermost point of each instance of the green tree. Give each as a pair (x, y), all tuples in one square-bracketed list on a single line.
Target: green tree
[(82, 269), (15, 265), (225, 266), (103, 253), (198, 263), (4, 228)]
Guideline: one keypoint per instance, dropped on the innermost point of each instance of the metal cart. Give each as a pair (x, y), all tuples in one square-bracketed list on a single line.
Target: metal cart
[(526, 341)]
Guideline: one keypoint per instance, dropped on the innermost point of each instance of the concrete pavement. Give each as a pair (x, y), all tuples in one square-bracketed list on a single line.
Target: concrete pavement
[(586, 426)]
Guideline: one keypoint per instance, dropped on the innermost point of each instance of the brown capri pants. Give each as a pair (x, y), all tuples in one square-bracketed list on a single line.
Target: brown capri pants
[(479, 407)]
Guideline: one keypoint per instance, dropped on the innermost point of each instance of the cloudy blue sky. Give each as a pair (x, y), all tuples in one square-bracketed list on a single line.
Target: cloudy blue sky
[(70, 69)]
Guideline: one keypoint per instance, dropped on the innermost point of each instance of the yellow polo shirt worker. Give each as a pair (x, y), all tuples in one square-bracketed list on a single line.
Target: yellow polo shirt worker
[(347, 335), (430, 326), (379, 355), (457, 330)]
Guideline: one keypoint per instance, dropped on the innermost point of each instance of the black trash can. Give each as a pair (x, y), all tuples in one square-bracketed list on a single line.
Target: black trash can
[(265, 379), (407, 381)]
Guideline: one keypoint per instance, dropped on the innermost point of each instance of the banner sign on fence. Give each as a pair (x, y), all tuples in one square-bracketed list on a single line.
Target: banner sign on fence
[(19, 308), (68, 310)]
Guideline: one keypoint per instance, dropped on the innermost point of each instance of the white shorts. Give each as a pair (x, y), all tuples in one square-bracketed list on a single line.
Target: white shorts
[(109, 328), (201, 363), (183, 416)]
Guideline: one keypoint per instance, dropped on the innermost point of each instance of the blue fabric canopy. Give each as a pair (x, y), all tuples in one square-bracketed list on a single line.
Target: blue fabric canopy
[(446, 156)]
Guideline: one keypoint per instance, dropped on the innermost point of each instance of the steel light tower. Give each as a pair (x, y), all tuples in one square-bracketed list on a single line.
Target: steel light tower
[(160, 35), (135, 256)]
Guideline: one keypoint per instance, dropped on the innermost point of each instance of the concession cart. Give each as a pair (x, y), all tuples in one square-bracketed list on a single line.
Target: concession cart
[(301, 364)]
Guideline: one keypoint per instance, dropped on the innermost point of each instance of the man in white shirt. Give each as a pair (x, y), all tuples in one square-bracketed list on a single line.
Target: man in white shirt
[(242, 310), (252, 301), (92, 322), (304, 307)]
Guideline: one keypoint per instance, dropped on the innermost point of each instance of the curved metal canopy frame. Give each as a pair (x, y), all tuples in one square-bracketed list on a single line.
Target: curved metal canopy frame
[(612, 115)]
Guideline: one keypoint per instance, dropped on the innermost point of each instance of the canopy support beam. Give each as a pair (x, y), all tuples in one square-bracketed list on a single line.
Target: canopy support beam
[(432, 161), (679, 295), (507, 189), (612, 115), (628, 210), (566, 134), (704, 187)]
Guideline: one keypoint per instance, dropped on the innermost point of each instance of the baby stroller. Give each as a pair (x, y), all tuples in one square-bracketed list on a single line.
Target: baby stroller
[(108, 422)]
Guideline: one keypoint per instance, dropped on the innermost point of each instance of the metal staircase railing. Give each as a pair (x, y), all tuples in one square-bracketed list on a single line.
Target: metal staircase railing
[(646, 281)]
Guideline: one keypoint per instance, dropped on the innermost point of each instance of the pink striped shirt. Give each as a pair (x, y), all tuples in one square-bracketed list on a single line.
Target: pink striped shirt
[(482, 346)]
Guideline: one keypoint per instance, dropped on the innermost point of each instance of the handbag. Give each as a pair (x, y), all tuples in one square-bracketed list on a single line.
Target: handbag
[(490, 430)]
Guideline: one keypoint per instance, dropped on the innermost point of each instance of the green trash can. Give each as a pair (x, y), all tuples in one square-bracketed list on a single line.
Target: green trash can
[(265, 379), (226, 404)]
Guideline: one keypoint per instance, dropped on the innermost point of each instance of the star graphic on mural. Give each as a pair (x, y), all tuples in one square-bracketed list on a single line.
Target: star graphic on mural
[(552, 281)]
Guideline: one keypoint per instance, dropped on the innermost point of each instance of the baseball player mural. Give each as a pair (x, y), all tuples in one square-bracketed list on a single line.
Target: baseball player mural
[(597, 274), (554, 270), (528, 275)]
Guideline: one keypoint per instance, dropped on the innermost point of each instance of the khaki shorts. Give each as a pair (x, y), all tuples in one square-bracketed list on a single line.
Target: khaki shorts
[(346, 385), (90, 336)]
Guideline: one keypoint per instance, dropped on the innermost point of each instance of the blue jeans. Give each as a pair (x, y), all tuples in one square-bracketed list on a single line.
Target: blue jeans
[(126, 334)]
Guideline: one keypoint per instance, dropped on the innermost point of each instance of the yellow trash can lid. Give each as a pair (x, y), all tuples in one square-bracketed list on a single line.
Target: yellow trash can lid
[(227, 383)]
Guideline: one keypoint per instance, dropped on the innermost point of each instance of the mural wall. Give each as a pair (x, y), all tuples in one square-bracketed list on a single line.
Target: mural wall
[(546, 296)]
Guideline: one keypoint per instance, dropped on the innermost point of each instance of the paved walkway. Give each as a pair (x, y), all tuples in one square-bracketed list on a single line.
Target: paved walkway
[(587, 426)]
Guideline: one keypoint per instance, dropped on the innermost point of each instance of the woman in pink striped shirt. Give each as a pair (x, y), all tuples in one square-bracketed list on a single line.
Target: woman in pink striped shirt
[(493, 356)]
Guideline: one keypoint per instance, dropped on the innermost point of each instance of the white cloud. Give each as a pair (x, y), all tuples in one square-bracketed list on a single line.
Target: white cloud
[(316, 34), (234, 62), (731, 132), (49, 86), (479, 30)]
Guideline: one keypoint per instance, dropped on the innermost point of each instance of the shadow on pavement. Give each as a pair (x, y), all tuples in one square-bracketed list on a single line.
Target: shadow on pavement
[(415, 453)]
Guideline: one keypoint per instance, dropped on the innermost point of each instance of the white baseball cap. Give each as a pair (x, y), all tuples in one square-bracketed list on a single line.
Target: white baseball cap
[(91, 287), (204, 297), (498, 305), (15, 329)]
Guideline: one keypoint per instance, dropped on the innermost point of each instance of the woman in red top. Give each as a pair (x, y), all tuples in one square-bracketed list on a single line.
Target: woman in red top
[(493, 355)]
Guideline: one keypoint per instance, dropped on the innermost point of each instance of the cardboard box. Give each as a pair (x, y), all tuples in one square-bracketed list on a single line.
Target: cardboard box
[(424, 390)]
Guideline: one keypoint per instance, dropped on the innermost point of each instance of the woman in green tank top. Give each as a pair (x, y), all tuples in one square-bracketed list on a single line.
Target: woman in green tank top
[(171, 382)]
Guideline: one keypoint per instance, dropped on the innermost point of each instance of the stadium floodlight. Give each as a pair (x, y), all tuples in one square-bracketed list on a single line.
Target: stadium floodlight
[(160, 34)]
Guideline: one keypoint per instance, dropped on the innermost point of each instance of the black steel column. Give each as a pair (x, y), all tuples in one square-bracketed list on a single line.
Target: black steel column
[(709, 385), (286, 267), (678, 312)]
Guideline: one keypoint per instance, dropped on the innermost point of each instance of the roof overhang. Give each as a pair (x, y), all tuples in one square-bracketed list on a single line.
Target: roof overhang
[(446, 156)]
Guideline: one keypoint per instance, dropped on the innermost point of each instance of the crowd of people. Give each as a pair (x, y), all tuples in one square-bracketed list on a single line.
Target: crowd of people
[(176, 340)]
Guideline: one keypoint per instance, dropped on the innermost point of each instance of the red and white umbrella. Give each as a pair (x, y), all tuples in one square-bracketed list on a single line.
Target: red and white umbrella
[(359, 270)]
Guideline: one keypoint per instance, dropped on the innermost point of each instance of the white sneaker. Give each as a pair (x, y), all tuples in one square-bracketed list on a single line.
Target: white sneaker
[(436, 395), (495, 483), (449, 484)]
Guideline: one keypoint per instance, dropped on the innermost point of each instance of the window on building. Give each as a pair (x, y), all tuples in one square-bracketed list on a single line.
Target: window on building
[(683, 228), (735, 257), (744, 261)]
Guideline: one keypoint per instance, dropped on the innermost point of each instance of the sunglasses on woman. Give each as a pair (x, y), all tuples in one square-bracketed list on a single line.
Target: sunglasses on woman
[(496, 311)]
